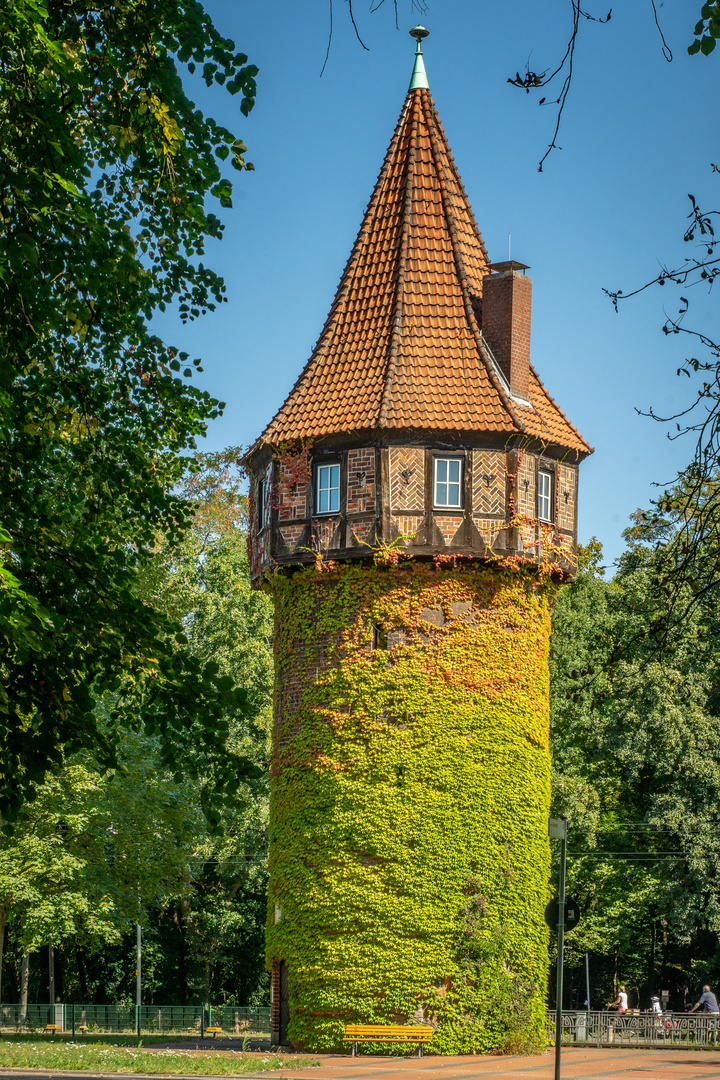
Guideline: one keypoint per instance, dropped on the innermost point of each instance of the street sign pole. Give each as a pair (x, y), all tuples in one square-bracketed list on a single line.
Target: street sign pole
[(557, 829)]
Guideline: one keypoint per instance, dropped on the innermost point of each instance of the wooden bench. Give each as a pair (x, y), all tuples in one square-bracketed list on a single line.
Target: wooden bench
[(388, 1033), (213, 1031), (53, 1027)]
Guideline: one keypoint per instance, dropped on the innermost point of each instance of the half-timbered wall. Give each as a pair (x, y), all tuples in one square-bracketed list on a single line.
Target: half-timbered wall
[(386, 496)]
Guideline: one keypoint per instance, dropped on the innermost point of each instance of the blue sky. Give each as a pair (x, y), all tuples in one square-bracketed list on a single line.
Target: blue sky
[(638, 134)]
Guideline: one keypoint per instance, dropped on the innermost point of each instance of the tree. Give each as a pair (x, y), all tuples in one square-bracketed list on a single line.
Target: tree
[(94, 853), (637, 762), (106, 168)]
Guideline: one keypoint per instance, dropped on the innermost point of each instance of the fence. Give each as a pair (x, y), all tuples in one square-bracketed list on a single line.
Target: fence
[(636, 1028), (152, 1019)]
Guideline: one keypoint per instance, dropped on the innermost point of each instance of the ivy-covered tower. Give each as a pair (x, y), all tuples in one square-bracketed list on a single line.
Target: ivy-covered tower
[(413, 509)]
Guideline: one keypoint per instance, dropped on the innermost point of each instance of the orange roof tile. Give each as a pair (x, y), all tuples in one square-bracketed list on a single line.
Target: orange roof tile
[(401, 347)]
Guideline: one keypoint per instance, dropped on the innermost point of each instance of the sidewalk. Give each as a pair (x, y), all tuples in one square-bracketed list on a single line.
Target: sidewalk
[(577, 1064)]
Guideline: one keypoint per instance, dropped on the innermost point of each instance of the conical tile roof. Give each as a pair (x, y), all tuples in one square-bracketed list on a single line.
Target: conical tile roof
[(401, 347)]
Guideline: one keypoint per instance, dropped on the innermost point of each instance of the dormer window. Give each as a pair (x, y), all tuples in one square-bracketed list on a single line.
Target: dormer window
[(545, 495), (327, 488), (447, 482)]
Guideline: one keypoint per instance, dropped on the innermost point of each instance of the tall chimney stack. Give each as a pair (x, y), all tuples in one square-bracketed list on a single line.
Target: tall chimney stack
[(506, 311)]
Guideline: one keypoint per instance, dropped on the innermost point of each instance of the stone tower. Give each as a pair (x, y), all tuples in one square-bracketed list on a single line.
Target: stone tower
[(413, 510)]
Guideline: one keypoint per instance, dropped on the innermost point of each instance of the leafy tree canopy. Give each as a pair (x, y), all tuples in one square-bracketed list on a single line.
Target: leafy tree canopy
[(635, 715), (108, 178)]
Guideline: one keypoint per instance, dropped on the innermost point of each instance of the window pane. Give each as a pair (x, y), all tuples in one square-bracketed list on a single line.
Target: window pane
[(544, 495), (328, 489), (448, 475), (334, 491)]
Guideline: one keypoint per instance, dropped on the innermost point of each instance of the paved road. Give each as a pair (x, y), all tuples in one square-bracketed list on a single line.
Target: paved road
[(578, 1064)]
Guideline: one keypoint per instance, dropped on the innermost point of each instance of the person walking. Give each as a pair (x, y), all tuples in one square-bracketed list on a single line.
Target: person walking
[(620, 1003), (708, 1002)]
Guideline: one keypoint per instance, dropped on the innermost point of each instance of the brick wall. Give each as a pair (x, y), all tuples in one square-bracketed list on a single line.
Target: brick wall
[(488, 482), (489, 529), (408, 525), (326, 533), (448, 525), (525, 493), (291, 535), (565, 497), (506, 314), (407, 478), (360, 532), (360, 480)]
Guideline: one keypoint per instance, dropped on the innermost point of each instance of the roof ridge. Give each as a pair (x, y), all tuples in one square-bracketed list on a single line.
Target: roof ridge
[(398, 321), (402, 345), (463, 279), (321, 346)]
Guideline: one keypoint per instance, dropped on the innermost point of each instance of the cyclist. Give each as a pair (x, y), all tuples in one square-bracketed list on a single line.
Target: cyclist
[(620, 1003)]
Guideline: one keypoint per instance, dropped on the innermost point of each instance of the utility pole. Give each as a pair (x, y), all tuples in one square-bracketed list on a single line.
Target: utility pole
[(557, 830)]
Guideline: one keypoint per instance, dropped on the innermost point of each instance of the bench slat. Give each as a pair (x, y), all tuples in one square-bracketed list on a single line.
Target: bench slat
[(402, 1028)]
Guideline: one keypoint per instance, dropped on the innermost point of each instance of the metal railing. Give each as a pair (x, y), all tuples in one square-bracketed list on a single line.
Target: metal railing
[(233, 1020), (635, 1028)]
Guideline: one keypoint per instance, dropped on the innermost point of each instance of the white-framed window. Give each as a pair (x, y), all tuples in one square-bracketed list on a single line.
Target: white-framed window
[(545, 494), (447, 482), (327, 488)]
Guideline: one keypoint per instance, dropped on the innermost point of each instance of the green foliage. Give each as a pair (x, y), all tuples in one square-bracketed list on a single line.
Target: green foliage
[(707, 29), (409, 856), (92, 851), (107, 177), (634, 694)]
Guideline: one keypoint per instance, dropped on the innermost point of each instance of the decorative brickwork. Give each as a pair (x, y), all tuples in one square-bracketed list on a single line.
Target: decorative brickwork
[(292, 494), (407, 478), (326, 533), (526, 494), (488, 482), (490, 530), (529, 536), (565, 497), (361, 481), (449, 526), (361, 532), (408, 526), (291, 535)]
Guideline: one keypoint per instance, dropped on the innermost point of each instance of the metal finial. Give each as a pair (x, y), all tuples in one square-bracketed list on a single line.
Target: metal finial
[(418, 80)]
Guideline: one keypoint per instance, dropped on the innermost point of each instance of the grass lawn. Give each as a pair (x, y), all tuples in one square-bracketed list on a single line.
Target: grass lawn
[(102, 1057)]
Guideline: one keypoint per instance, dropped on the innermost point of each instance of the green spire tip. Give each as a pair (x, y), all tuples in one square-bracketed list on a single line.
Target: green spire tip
[(418, 79)]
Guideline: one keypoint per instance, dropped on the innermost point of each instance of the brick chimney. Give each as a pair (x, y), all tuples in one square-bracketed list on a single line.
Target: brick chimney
[(506, 309)]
